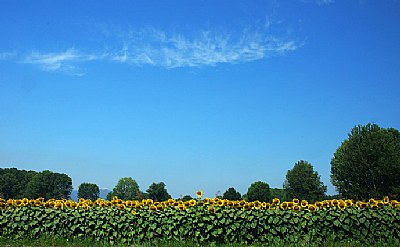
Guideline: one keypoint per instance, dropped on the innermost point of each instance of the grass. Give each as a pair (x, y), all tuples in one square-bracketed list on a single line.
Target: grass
[(52, 241)]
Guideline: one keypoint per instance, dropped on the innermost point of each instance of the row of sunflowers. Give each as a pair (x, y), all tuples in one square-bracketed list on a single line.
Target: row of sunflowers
[(295, 205)]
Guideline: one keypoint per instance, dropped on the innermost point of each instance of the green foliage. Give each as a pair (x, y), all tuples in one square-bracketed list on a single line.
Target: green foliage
[(279, 193), (13, 182), (48, 185), (226, 225), (367, 164), (158, 192), (186, 198), (259, 191), (232, 194), (303, 182), (88, 191), (126, 189)]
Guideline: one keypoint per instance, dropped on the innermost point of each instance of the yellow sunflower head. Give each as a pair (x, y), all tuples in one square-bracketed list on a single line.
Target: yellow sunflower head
[(199, 194), (192, 202), (284, 205), (296, 201), (276, 201), (304, 203), (181, 206), (312, 207), (296, 208), (386, 199)]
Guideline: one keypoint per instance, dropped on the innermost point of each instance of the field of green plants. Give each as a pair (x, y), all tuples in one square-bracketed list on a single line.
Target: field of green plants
[(202, 221)]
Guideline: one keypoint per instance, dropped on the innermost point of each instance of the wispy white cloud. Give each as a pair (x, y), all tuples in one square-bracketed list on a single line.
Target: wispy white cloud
[(7, 55), (206, 49), (169, 50)]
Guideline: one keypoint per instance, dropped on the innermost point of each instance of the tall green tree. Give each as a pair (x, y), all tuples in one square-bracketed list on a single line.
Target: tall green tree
[(126, 189), (367, 163), (259, 191), (88, 191), (232, 194), (158, 192), (49, 185), (13, 182), (303, 182)]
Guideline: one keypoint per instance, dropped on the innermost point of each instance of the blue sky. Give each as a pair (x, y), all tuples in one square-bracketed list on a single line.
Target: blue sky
[(197, 94)]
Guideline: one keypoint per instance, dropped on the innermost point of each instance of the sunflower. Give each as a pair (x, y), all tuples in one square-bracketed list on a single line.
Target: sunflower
[(181, 206), (393, 203), (296, 208), (230, 203), (304, 203), (160, 206), (290, 204), (221, 203), (133, 212), (58, 205), (206, 200), (18, 202), (349, 203), (192, 202), (242, 203), (121, 206), (363, 205), (334, 202), (246, 206), (380, 203), (264, 205), (319, 204), (257, 204), (312, 207), (153, 207), (341, 204), (199, 194), (276, 201), (211, 209), (386, 199), (284, 205), (296, 201), (371, 201)]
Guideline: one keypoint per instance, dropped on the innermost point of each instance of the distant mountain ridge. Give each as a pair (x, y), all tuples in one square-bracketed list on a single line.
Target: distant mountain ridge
[(103, 194)]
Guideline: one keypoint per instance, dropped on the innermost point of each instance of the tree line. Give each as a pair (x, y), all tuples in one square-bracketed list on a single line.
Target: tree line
[(365, 165)]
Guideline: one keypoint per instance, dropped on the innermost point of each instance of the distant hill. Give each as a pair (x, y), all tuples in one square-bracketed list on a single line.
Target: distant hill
[(103, 194)]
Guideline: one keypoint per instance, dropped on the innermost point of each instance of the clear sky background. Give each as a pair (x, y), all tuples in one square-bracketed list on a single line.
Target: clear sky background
[(198, 94)]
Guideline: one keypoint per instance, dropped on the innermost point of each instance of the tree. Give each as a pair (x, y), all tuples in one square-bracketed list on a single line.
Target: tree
[(303, 182), (232, 194), (367, 164), (13, 182), (126, 189), (279, 193), (158, 192), (259, 191), (49, 185), (88, 191), (186, 198)]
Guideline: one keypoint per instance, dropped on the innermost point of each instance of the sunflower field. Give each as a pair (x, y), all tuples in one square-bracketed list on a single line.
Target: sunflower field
[(201, 220)]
